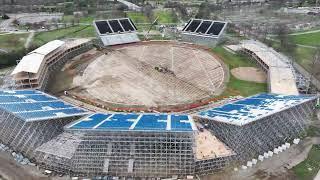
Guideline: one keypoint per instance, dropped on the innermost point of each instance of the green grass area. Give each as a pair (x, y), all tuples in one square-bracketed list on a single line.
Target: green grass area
[(307, 30), (138, 17), (236, 86), (313, 131), (88, 19), (233, 60), (243, 88), (313, 162), (70, 32), (12, 41), (166, 17), (312, 39), (69, 18), (304, 57)]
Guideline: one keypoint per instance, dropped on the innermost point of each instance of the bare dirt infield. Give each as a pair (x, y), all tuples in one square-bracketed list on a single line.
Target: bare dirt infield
[(250, 74), (148, 74)]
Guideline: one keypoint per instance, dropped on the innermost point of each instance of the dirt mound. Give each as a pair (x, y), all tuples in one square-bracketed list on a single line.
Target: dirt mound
[(250, 74)]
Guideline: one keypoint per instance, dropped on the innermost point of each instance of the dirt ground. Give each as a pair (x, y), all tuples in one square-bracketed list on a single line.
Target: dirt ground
[(249, 74), (10, 170), (148, 75), (274, 168)]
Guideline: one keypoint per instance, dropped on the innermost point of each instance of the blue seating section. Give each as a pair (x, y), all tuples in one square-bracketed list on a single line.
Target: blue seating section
[(180, 122), (19, 98), (17, 92), (133, 122), (32, 105), (157, 121), (249, 109), (91, 121), (119, 121)]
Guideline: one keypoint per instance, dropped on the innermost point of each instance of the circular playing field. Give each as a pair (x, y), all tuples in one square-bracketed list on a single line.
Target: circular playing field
[(146, 74)]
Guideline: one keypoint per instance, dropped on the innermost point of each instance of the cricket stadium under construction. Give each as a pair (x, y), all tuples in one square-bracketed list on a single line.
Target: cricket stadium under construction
[(142, 91)]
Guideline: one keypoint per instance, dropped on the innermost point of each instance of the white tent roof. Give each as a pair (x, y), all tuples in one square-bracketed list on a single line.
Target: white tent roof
[(29, 63), (281, 75), (49, 47), (282, 81), (266, 54)]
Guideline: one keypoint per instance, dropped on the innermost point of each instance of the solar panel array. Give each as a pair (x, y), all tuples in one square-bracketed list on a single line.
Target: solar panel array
[(116, 31), (134, 122), (252, 108), (32, 105), (115, 26), (205, 27)]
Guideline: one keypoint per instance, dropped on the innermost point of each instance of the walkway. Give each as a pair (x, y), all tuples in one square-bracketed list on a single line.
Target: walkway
[(29, 40), (306, 32)]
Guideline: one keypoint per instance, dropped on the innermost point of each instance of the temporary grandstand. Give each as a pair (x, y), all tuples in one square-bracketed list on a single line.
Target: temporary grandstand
[(259, 123), (281, 75), (137, 145), (116, 31), (133, 145), (29, 118), (33, 71), (203, 32)]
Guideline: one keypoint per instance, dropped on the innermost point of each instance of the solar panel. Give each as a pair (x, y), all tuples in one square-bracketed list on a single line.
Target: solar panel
[(216, 28), (184, 28), (115, 26), (193, 25), (103, 27), (252, 108), (126, 25), (204, 27)]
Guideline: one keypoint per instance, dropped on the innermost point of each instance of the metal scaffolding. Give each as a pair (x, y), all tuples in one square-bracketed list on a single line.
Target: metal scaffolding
[(25, 137), (114, 153), (263, 135)]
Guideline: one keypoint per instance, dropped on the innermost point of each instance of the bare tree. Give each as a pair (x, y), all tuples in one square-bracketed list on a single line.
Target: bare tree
[(15, 22), (286, 43), (315, 71), (148, 12)]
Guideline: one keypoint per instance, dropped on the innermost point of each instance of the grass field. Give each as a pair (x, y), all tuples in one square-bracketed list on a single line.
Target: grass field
[(312, 39), (12, 41), (70, 32), (165, 17), (233, 60), (236, 86), (308, 168), (68, 19), (301, 55), (304, 57), (138, 17)]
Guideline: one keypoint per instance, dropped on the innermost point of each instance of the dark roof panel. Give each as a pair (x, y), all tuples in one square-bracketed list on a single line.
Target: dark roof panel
[(103, 27)]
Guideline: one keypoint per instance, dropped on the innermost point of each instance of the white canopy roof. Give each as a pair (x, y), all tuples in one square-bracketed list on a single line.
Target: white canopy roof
[(49, 47), (281, 75), (282, 81), (32, 62), (265, 53), (29, 63)]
